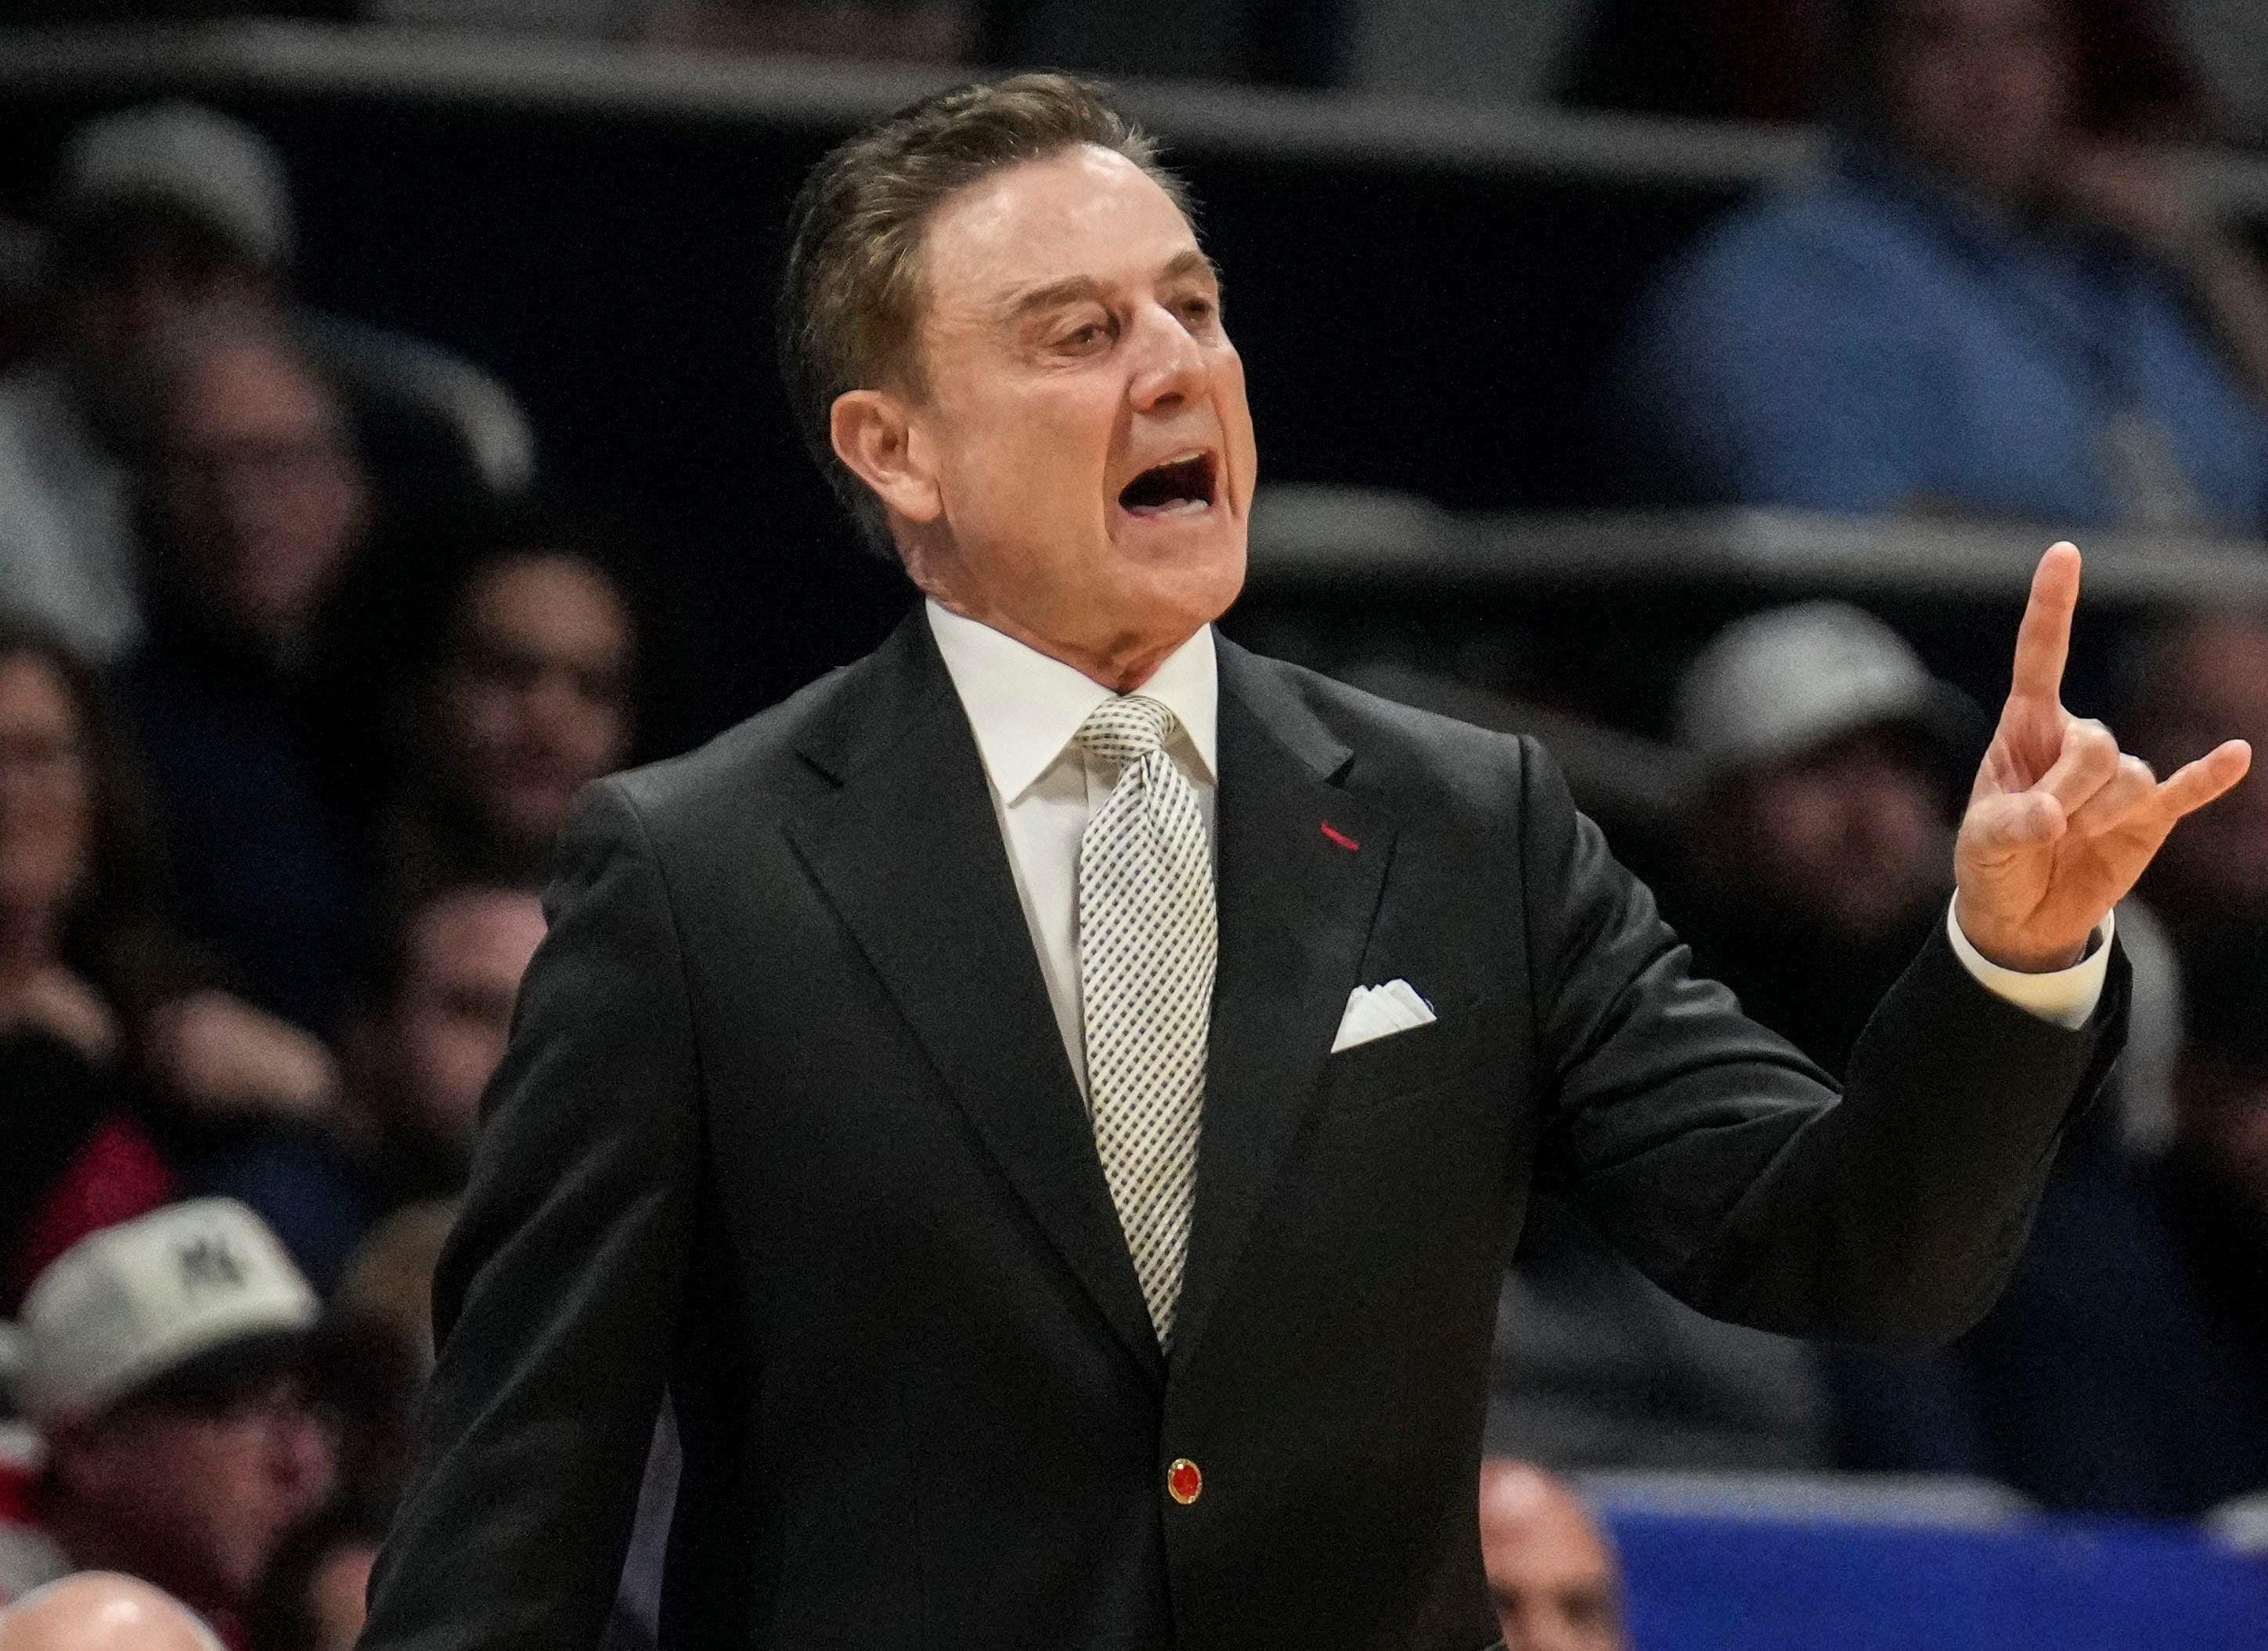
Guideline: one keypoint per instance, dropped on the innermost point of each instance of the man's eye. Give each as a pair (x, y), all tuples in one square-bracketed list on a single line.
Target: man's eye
[(1083, 337)]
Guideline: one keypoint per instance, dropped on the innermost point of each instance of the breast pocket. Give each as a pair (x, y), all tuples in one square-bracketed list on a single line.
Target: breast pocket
[(1462, 1039)]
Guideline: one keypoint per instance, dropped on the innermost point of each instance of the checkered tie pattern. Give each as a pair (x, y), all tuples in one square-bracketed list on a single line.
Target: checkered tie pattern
[(1148, 942)]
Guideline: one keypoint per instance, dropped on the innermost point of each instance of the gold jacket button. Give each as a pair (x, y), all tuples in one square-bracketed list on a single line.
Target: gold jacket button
[(1183, 1482)]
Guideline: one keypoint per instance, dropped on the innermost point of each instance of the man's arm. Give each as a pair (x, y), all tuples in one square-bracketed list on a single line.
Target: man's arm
[(556, 1300), (1718, 1157)]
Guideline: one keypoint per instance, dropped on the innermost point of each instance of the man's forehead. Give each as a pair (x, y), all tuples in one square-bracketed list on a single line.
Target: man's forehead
[(1087, 214)]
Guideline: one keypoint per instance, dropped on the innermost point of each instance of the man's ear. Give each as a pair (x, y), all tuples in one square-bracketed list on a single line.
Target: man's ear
[(873, 434)]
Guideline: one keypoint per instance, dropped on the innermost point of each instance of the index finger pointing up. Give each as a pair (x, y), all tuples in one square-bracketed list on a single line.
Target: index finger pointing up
[(2044, 638)]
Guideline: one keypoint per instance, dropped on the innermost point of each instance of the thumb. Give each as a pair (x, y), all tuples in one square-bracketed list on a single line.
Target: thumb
[(2001, 826)]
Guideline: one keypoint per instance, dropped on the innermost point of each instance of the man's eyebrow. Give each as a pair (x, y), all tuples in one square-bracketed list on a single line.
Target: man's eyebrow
[(1076, 288), (1052, 296), (1193, 261)]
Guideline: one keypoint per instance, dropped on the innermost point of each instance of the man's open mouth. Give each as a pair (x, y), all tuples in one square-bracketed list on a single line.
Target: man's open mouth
[(1183, 482)]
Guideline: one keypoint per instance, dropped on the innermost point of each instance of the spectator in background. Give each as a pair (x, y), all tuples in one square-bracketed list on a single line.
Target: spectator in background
[(418, 1060), (1549, 1566), (163, 215), (257, 506), (166, 217), (113, 1041), (100, 1610), (161, 1368), (1825, 746), (1980, 307), (2212, 891), (525, 689)]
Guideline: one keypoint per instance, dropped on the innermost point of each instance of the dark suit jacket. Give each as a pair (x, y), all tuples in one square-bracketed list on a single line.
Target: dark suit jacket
[(787, 1125)]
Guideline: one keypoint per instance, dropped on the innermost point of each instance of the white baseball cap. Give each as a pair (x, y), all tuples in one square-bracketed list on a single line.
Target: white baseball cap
[(216, 168), (1790, 680), (147, 1298)]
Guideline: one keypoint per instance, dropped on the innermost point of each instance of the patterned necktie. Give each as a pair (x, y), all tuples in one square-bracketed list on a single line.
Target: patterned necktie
[(1148, 941)]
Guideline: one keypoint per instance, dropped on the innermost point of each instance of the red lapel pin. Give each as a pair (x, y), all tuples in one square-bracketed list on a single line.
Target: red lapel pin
[(1341, 839)]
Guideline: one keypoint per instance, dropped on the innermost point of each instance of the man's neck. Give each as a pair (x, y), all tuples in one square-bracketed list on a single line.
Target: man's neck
[(1120, 665)]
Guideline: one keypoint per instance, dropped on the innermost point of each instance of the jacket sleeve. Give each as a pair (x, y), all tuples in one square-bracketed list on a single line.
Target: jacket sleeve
[(1722, 1161), (557, 1296)]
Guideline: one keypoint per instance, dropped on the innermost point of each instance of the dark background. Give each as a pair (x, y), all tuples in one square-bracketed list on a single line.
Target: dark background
[(1403, 326)]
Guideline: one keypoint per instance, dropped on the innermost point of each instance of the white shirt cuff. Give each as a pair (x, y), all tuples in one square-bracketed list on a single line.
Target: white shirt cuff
[(2067, 996)]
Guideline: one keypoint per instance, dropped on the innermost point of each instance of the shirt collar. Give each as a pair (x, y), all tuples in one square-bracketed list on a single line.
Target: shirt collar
[(1024, 707)]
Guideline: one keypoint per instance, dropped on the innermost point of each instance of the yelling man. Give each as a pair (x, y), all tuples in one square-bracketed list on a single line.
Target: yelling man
[(1052, 1100)]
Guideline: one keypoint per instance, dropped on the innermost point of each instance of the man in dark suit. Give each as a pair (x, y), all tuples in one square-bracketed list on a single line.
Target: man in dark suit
[(1058, 1144)]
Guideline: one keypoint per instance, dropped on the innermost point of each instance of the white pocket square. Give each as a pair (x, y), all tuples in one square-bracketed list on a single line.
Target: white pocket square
[(1376, 1012)]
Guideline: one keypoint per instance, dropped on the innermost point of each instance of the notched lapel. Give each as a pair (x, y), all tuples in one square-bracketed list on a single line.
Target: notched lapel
[(1302, 862), (908, 852)]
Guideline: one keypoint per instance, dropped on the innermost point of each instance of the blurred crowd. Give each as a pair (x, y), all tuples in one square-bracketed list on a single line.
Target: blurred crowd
[(298, 681)]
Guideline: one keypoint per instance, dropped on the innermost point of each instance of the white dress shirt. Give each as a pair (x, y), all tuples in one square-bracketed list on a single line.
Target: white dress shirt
[(1024, 708)]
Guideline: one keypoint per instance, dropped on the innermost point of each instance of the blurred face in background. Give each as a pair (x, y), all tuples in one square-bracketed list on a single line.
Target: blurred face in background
[(46, 792), (197, 1495), (2222, 1113), (1549, 1569), (534, 701), (258, 487), (1981, 90), (1851, 836), (2210, 681), (444, 1033), (130, 273)]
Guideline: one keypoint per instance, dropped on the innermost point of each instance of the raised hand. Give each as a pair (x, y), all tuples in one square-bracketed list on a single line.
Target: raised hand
[(2060, 822)]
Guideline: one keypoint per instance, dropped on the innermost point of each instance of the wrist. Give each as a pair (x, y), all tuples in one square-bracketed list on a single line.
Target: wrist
[(2029, 962), (2015, 953)]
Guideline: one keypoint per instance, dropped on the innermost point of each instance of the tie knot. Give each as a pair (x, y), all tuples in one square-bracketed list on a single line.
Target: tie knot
[(1127, 729)]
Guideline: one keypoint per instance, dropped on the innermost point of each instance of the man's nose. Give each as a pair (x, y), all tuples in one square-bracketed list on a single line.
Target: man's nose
[(1170, 366)]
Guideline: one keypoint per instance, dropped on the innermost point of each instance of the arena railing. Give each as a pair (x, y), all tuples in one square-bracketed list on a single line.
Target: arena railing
[(505, 71), (1316, 540)]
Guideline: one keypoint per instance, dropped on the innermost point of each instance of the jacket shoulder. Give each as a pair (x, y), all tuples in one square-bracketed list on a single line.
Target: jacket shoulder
[(1399, 750), (753, 771)]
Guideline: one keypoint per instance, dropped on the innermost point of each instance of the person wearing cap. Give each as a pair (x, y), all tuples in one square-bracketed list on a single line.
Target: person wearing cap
[(168, 217), (160, 1368), (164, 214), (1830, 764)]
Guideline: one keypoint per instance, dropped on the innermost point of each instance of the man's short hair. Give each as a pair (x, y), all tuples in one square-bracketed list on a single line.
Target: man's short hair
[(850, 303)]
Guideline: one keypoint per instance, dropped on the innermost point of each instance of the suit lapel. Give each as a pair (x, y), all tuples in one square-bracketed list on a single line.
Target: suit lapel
[(1296, 906), (908, 852)]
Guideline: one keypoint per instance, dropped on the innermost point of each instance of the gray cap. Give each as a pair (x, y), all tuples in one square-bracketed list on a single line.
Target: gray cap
[(1790, 680), (214, 168), (144, 1299)]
